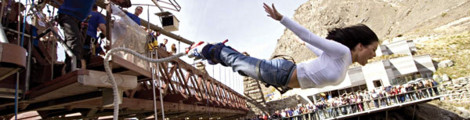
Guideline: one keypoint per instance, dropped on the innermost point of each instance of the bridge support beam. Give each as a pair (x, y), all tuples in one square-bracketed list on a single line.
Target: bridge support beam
[(414, 112), (386, 115)]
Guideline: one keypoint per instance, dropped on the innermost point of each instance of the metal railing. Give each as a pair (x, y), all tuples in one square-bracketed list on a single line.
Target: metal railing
[(370, 105), (182, 81)]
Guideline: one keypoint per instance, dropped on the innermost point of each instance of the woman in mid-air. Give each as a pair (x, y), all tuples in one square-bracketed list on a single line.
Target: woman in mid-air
[(341, 48)]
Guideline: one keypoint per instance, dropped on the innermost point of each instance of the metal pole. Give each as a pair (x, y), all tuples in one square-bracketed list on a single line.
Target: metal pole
[(16, 94), (18, 26), (160, 88), (156, 4), (148, 17), (154, 93), (153, 74), (28, 67), (2, 12)]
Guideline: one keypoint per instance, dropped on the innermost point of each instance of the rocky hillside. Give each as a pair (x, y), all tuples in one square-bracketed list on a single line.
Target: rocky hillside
[(390, 19), (440, 28), (454, 47)]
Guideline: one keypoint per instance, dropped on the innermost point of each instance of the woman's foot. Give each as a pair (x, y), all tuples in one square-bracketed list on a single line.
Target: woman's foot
[(195, 50), (206, 51)]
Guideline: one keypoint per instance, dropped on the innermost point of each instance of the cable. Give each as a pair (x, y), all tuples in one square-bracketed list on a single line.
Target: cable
[(24, 24), (112, 79), (16, 94), (160, 90), (17, 80), (155, 113)]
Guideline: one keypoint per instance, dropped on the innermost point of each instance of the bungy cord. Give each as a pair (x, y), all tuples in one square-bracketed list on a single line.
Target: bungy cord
[(111, 77)]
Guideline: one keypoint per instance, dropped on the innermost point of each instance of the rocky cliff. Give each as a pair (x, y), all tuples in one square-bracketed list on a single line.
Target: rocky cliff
[(440, 28), (390, 19)]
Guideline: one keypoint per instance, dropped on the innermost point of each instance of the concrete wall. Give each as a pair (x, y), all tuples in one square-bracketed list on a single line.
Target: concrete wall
[(375, 71), (356, 76)]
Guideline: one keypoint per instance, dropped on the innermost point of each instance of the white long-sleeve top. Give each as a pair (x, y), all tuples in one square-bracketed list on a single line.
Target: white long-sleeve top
[(329, 68)]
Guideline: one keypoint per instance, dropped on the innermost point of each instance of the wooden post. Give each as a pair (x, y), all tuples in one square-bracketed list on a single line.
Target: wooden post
[(386, 115), (108, 98), (414, 111), (108, 23)]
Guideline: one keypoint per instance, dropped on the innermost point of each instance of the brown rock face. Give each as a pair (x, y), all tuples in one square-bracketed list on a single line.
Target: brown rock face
[(388, 19)]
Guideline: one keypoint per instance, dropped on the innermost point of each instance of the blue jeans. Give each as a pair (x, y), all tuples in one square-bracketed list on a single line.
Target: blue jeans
[(276, 72)]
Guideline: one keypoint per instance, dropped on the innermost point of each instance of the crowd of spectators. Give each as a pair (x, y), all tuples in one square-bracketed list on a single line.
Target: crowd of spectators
[(348, 103)]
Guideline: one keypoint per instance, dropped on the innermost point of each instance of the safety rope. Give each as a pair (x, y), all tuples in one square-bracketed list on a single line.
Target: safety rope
[(112, 79), (16, 94), (24, 22)]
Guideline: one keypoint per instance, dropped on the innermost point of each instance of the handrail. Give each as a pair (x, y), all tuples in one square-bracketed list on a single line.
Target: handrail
[(337, 111)]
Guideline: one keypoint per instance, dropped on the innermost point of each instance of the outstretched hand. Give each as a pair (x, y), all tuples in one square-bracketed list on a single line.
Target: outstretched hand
[(272, 12)]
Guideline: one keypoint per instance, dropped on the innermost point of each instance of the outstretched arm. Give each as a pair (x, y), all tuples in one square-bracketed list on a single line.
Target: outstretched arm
[(307, 36), (272, 12)]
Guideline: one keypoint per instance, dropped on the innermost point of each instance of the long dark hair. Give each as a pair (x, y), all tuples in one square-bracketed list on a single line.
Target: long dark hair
[(353, 35)]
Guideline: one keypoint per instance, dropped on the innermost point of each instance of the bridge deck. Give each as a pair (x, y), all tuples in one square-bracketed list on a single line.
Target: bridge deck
[(316, 115), (12, 59), (386, 108), (186, 92)]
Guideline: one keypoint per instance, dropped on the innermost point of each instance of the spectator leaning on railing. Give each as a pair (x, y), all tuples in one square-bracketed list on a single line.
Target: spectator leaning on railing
[(348, 103), (360, 101)]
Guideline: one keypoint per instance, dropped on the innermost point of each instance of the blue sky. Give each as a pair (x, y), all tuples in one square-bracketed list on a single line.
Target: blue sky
[(243, 22)]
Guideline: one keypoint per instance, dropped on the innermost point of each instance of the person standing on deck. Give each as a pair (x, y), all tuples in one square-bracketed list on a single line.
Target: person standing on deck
[(71, 14)]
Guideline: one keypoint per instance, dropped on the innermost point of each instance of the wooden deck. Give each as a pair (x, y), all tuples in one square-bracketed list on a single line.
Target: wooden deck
[(12, 59), (85, 91)]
